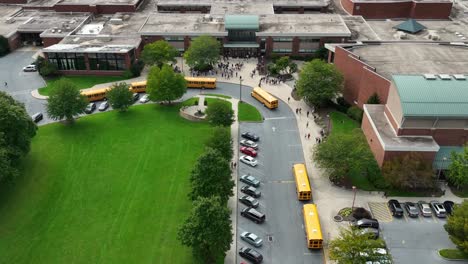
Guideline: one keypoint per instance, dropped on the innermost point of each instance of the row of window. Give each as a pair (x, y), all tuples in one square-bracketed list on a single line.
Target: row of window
[(97, 61)]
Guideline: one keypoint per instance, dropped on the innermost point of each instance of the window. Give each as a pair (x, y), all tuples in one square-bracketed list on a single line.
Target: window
[(282, 50), (282, 39), (174, 38), (107, 61), (67, 61)]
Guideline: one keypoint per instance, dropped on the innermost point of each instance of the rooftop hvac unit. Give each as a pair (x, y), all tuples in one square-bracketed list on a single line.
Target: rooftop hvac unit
[(53, 30), (459, 77), (10, 20), (59, 31), (429, 76), (116, 21), (445, 77)]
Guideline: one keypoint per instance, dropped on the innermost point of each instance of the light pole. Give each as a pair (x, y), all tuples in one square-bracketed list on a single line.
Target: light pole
[(440, 169), (328, 126), (354, 197), (240, 88)]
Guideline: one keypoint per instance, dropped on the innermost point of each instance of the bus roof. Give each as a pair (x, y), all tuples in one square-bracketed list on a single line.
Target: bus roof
[(312, 222), (302, 179), (138, 83), (267, 96), (88, 92), (200, 79)]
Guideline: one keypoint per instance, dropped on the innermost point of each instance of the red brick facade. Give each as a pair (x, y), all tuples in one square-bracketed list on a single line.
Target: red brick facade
[(443, 137), (398, 9), (50, 41), (360, 79), (14, 41)]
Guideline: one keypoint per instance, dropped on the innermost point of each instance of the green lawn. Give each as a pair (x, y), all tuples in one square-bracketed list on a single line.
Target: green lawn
[(82, 82), (453, 254), (218, 95), (212, 100), (248, 112), (463, 192), (110, 189)]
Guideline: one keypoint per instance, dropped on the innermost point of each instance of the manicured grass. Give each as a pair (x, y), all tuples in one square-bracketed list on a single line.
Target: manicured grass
[(82, 82), (453, 254), (218, 95), (110, 189), (212, 100), (463, 192), (248, 112)]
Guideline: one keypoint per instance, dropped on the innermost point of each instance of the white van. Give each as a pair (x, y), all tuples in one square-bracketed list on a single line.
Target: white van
[(30, 68)]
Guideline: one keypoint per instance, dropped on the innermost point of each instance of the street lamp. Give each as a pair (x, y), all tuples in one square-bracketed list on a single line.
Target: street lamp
[(354, 197), (240, 88), (328, 125), (440, 169)]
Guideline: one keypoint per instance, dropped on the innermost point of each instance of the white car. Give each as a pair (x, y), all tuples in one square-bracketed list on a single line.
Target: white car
[(252, 239), (103, 106), (248, 160), (144, 99), (249, 143), (30, 68)]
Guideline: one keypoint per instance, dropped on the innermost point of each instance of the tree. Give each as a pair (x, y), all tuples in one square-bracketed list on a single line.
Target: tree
[(319, 82), (353, 246), (285, 66), (47, 69), (321, 53), (410, 171), (374, 99), (342, 153), (221, 141), (220, 113), (7, 169), (120, 97), (207, 230), (4, 46), (456, 226), (211, 176), (164, 85), (16, 128), (65, 101), (203, 53), (458, 169), (159, 53)]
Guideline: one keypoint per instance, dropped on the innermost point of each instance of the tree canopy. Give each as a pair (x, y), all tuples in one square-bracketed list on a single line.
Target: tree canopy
[(409, 172), (219, 113), (458, 169), (211, 176), (319, 82), (165, 85), (159, 53), (203, 52), (340, 154), (221, 141), (120, 97), (207, 230), (65, 101), (456, 226), (353, 246)]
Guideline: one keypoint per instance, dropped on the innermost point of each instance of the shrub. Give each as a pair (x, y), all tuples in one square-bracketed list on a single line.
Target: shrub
[(4, 46), (360, 213), (195, 102), (374, 99), (127, 74), (355, 113), (205, 103), (48, 69), (136, 68), (341, 105)]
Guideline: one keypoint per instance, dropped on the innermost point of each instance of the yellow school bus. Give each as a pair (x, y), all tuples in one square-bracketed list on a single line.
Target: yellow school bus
[(138, 87), (312, 226), (265, 98), (303, 190), (96, 95), (201, 82)]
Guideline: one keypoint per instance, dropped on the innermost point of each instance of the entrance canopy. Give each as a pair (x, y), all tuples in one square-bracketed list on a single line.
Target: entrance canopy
[(411, 26), (241, 22), (442, 159)]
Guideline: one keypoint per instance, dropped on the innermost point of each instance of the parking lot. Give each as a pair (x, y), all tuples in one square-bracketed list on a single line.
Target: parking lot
[(412, 240)]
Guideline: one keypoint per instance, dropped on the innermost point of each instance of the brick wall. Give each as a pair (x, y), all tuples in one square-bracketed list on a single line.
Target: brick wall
[(96, 9), (431, 10), (14, 41), (372, 140), (348, 6), (50, 41), (443, 137)]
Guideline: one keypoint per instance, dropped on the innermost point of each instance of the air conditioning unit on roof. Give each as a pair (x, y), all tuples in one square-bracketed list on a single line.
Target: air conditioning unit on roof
[(445, 77), (429, 76), (459, 77)]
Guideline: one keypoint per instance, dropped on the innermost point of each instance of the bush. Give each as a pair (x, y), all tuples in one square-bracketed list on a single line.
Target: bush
[(127, 74), (136, 68), (48, 69), (195, 102), (4, 46), (341, 105), (274, 57), (355, 113), (360, 213), (205, 103)]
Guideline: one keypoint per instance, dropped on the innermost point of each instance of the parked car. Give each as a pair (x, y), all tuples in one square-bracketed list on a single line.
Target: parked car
[(365, 223), (248, 160), (90, 108), (103, 106), (250, 136), (439, 209), (374, 232), (249, 143), (252, 191), (144, 99), (249, 151), (425, 208), (253, 215), (30, 68), (249, 201), (251, 255), (251, 238), (395, 208), (449, 207), (411, 209), (250, 180), (135, 97), (37, 117)]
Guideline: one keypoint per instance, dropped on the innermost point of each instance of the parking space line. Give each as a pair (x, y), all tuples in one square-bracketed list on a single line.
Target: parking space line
[(406, 217), (281, 181), (435, 219)]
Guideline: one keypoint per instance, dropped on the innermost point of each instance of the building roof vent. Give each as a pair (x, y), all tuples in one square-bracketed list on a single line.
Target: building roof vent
[(459, 77), (445, 77), (429, 76)]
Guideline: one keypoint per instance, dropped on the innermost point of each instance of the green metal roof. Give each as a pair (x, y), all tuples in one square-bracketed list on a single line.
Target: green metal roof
[(241, 22), (421, 97), (410, 26), (442, 159)]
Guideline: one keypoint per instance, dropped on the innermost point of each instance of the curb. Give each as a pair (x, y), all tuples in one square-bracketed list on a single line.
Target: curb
[(35, 94)]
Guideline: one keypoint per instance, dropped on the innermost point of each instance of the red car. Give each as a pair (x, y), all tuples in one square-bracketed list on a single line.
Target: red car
[(249, 151)]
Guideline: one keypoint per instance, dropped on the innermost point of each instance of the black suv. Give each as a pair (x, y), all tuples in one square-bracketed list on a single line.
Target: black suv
[(253, 215), (363, 223), (250, 136), (37, 117), (395, 208), (90, 108), (251, 255)]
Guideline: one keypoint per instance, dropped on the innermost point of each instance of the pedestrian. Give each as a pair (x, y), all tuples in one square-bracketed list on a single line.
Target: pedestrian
[(316, 139), (300, 110), (6, 84), (235, 165), (307, 113), (289, 98), (297, 111), (305, 136), (308, 136), (307, 125)]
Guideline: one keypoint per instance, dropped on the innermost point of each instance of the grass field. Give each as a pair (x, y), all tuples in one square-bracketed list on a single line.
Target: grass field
[(80, 82), (110, 189), (218, 95), (248, 112)]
